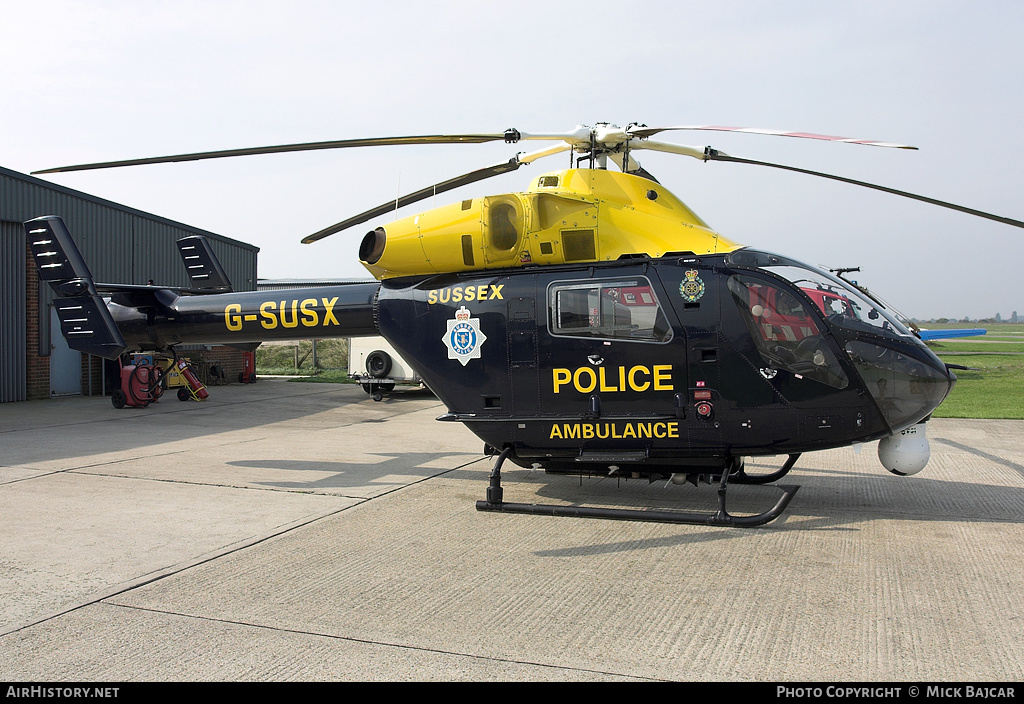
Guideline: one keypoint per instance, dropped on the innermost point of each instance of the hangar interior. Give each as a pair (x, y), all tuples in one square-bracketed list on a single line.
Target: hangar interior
[(120, 245)]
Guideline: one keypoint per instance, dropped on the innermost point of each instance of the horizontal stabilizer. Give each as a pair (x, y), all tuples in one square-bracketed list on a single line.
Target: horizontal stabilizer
[(204, 269), (88, 326)]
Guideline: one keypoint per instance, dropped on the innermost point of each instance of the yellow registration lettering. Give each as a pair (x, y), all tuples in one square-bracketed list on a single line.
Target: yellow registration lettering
[(329, 311), (309, 316), (432, 297), (496, 291), (294, 322), (269, 316), (232, 319), (456, 294)]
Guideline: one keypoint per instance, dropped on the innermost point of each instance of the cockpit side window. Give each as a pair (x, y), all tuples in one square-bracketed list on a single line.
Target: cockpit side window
[(785, 332), (615, 309), (841, 302)]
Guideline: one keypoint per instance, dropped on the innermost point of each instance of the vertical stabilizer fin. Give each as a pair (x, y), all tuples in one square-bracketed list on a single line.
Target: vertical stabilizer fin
[(57, 256), (85, 321), (203, 267)]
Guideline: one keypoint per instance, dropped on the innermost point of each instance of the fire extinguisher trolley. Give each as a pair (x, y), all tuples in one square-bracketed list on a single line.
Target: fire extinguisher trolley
[(193, 388), (141, 384)]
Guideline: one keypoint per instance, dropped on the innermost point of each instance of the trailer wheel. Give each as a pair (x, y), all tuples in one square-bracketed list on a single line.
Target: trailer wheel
[(118, 398), (378, 364)]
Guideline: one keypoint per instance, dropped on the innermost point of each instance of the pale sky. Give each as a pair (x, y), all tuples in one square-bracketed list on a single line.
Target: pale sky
[(99, 81)]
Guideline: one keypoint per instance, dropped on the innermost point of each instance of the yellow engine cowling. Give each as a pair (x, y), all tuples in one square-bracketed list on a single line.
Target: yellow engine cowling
[(579, 215)]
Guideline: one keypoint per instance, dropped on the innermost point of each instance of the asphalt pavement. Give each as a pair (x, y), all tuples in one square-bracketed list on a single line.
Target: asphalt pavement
[(286, 531)]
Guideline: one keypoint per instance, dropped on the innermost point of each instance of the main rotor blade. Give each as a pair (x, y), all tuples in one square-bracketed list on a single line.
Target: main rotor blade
[(684, 150), (452, 183), (715, 155), (471, 177), (307, 146), (651, 131)]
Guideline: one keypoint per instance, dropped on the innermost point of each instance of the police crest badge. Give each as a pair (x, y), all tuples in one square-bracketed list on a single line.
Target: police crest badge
[(692, 287), (464, 337)]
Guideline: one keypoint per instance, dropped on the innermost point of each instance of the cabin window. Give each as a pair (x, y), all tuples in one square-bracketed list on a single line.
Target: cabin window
[(621, 309)]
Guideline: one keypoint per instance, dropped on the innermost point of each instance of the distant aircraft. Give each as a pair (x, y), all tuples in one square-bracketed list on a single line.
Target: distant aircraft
[(944, 334)]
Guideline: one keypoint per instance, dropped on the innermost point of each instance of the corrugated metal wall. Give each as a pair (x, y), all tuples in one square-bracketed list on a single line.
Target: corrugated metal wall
[(120, 245), (12, 313)]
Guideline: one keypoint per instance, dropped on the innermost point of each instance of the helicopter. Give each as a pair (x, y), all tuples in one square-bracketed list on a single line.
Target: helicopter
[(592, 324)]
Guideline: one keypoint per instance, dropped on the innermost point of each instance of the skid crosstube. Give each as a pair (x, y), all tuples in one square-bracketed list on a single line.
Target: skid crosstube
[(495, 503)]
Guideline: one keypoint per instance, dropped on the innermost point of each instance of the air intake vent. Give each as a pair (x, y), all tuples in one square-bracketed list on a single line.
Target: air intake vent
[(579, 245)]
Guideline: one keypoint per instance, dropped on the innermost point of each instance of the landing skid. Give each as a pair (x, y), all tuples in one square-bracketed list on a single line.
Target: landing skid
[(722, 517), (741, 476)]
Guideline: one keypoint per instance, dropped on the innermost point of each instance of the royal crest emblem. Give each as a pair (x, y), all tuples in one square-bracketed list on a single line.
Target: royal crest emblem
[(464, 337), (692, 287)]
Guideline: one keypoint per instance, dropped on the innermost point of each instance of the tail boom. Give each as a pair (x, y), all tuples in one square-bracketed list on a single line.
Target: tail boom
[(251, 317), (110, 319)]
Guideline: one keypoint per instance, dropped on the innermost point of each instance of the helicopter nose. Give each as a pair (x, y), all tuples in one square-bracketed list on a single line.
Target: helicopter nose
[(907, 383)]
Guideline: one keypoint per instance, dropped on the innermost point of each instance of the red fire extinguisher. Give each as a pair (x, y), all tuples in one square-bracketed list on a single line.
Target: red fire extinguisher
[(248, 373), (197, 389)]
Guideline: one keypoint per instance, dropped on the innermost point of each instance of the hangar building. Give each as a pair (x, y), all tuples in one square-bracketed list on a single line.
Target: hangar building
[(120, 245)]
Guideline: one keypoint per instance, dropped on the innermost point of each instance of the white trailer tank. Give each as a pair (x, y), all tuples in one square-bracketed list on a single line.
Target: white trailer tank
[(377, 366)]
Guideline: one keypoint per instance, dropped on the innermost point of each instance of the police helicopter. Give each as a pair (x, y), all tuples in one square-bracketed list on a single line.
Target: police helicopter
[(591, 324)]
